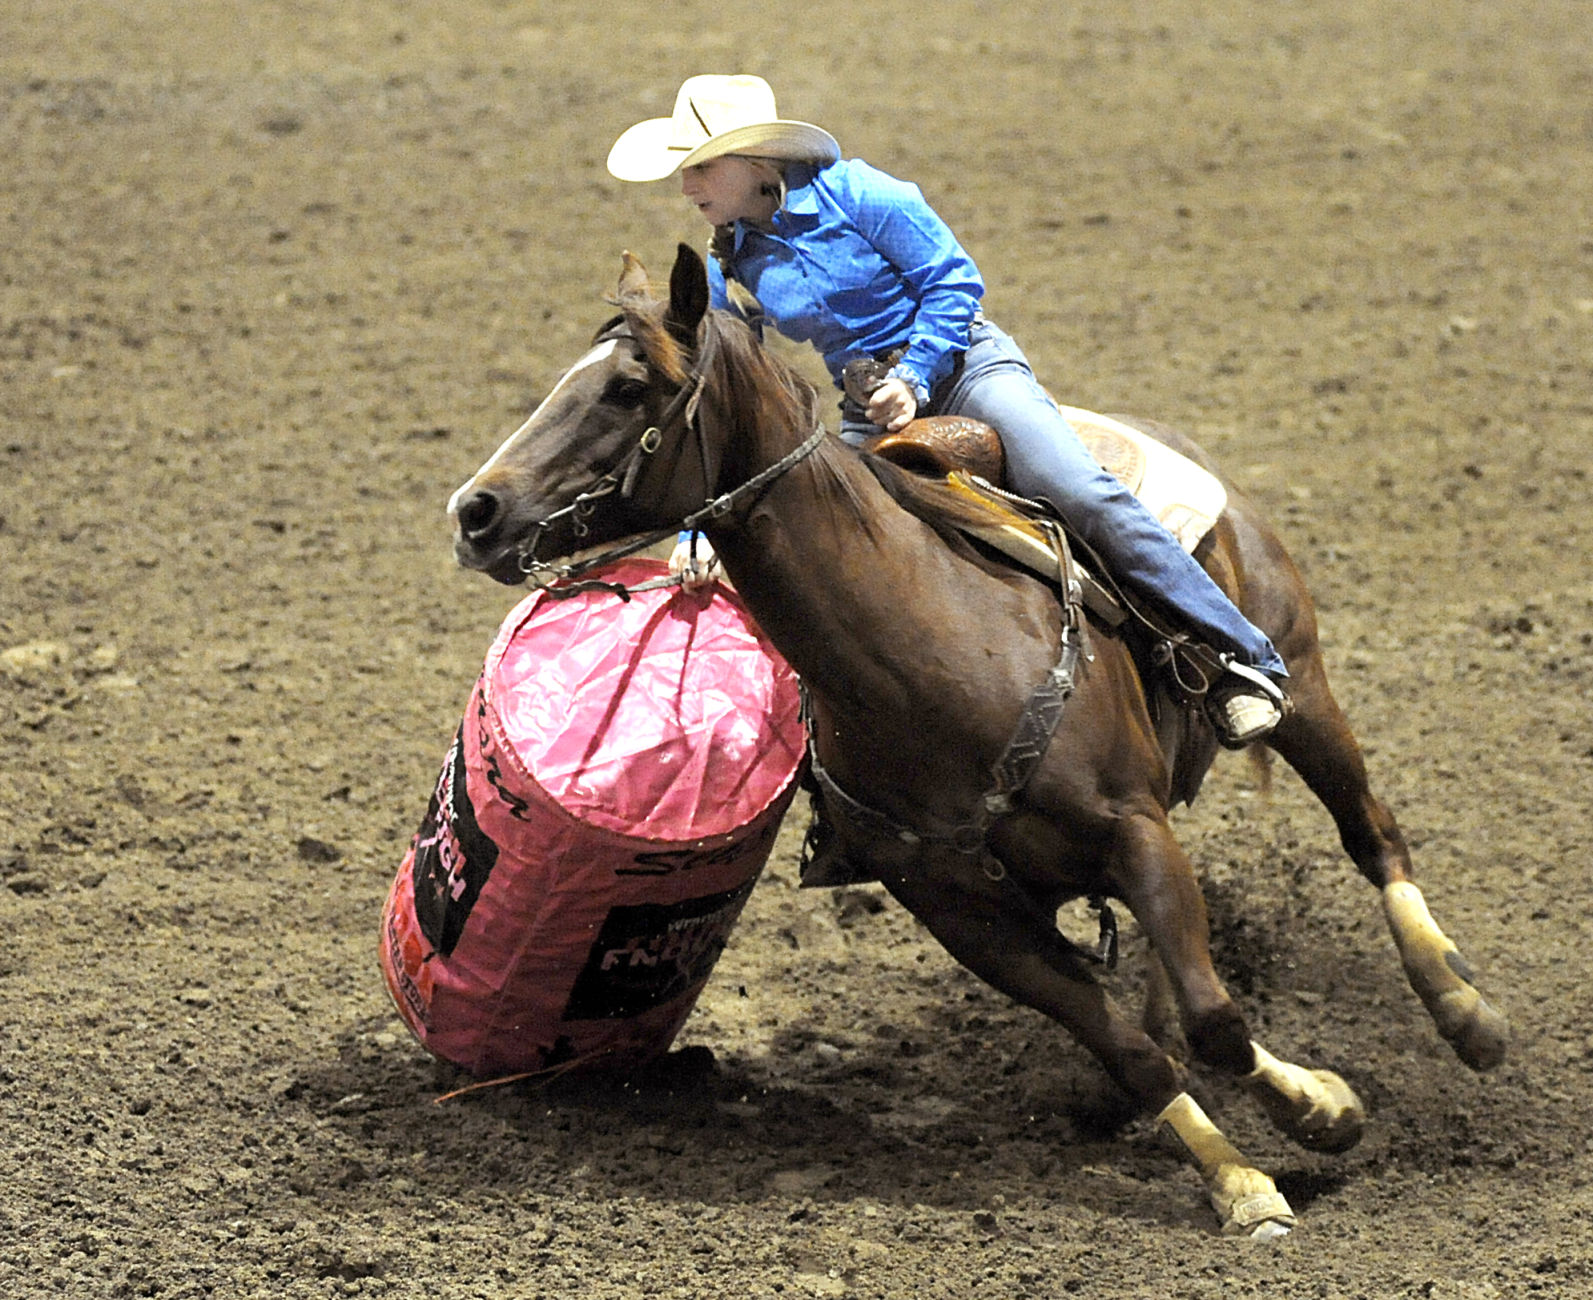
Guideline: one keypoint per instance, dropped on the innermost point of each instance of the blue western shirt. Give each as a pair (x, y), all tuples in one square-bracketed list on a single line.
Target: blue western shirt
[(857, 263)]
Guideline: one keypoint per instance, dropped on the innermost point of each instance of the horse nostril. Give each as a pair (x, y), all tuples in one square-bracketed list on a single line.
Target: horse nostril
[(477, 515)]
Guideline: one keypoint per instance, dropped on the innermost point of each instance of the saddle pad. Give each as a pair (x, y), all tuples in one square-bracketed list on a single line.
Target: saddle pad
[(1119, 455), (1187, 498)]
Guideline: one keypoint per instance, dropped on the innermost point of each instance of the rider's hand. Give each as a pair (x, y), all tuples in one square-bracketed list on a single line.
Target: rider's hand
[(892, 405), (693, 577)]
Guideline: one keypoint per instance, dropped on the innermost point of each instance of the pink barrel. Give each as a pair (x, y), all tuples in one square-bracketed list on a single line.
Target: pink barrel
[(608, 803)]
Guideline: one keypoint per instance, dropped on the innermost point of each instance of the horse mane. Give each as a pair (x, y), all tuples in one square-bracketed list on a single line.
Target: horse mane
[(751, 367), (944, 509), (748, 377), (643, 315)]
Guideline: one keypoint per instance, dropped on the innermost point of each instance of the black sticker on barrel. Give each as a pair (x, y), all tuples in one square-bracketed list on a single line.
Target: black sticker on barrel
[(453, 856), (650, 953)]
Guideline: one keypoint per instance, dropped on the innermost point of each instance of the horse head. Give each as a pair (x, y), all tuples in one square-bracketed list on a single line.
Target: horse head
[(602, 456)]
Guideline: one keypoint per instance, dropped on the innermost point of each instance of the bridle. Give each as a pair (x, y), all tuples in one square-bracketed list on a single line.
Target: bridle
[(564, 580)]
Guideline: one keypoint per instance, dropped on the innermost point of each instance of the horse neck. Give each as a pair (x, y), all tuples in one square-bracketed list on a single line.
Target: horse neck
[(823, 556)]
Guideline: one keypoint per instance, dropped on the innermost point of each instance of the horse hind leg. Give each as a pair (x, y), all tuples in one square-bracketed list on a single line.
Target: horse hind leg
[(1443, 980), (1316, 741)]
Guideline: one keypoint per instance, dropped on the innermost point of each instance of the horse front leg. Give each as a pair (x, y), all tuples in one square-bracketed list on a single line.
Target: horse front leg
[(1316, 741), (1314, 1108), (1247, 1202), (1151, 873), (983, 926)]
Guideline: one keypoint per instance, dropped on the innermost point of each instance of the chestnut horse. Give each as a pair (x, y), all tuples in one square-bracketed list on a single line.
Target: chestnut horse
[(920, 652)]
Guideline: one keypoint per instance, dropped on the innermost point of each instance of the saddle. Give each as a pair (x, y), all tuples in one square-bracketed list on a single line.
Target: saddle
[(1185, 497)]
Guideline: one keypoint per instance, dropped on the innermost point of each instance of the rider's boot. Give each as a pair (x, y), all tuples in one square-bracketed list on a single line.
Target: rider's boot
[(1245, 704)]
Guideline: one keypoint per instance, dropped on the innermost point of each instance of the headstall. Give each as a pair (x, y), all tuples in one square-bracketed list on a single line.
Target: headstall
[(561, 581)]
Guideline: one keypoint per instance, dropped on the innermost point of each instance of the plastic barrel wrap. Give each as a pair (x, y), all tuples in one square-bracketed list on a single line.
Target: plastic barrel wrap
[(605, 809)]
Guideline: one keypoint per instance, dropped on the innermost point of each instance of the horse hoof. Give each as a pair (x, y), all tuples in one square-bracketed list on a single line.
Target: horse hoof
[(1263, 1216), (1482, 1040), (1345, 1118), (1313, 1108)]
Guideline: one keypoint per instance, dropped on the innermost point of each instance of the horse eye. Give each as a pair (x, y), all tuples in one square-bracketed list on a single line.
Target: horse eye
[(625, 393)]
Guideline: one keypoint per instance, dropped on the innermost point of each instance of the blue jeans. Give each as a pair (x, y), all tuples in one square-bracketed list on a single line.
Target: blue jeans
[(1046, 459)]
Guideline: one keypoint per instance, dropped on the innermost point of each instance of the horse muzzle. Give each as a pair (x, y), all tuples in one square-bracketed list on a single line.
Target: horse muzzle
[(502, 565), (484, 538)]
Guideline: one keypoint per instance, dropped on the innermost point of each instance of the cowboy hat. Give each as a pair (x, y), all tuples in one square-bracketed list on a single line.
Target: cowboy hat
[(717, 115)]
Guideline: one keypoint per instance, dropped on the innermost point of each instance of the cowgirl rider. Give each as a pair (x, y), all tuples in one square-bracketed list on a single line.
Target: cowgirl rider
[(836, 253)]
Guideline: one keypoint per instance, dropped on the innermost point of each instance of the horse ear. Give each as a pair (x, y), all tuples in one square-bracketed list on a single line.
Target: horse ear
[(633, 281), (688, 292)]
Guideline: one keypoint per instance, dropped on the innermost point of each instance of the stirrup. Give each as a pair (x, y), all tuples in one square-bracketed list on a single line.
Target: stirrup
[(1255, 677)]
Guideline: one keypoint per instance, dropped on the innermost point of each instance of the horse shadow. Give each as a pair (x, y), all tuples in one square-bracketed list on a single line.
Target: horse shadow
[(698, 1127)]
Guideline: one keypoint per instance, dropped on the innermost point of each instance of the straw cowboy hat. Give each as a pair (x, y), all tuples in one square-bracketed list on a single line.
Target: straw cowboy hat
[(717, 115)]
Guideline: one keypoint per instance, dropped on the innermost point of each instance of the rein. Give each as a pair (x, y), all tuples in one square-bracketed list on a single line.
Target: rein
[(622, 478)]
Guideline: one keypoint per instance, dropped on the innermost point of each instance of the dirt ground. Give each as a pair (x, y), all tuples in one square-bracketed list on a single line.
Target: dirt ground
[(276, 277)]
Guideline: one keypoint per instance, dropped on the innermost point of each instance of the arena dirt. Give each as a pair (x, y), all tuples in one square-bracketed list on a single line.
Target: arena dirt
[(275, 278)]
